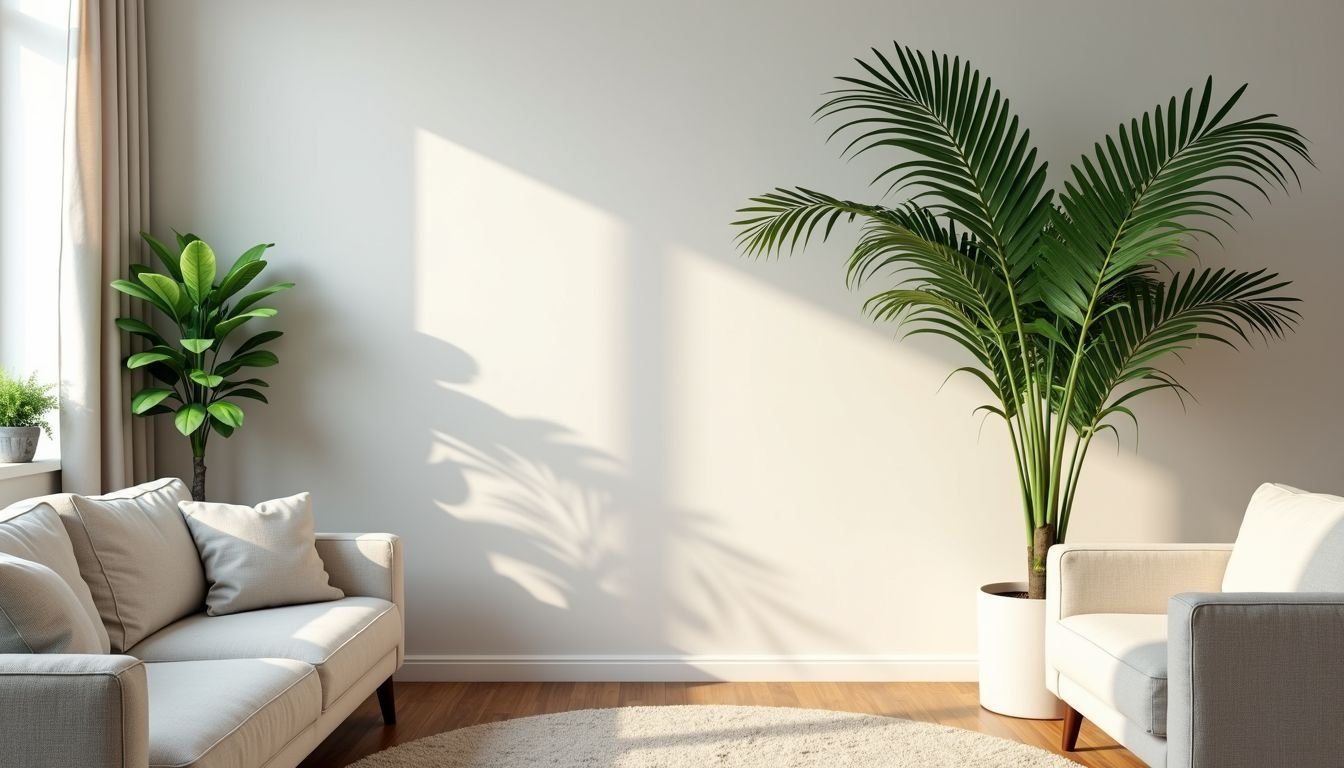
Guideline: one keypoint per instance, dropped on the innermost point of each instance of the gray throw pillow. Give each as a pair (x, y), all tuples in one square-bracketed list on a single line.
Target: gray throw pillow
[(39, 613), (258, 557)]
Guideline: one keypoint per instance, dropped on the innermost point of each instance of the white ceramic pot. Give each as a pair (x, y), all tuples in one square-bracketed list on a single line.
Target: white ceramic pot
[(1012, 654), (18, 444)]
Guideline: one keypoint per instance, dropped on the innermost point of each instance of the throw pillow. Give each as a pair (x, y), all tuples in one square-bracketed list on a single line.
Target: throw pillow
[(39, 613), (258, 557), (1290, 541), (33, 530), (137, 557)]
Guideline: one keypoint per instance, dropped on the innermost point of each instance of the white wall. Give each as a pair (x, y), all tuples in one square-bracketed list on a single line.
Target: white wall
[(522, 338)]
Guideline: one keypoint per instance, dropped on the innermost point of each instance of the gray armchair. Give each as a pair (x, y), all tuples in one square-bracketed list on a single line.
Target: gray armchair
[(1160, 647)]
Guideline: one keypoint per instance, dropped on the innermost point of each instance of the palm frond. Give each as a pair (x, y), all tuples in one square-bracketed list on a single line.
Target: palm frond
[(973, 158), (1157, 181)]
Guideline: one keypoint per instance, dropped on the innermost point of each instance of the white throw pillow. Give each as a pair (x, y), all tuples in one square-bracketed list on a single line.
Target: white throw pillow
[(258, 557), (1290, 541), (39, 613), (136, 555)]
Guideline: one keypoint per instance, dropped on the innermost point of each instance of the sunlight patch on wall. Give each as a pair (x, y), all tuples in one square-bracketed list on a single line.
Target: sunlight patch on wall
[(527, 280)]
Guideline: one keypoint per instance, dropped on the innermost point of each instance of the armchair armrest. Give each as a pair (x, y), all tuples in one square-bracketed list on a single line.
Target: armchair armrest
[(1128, 578), (367, 565), (74, 709), (1255, 679)]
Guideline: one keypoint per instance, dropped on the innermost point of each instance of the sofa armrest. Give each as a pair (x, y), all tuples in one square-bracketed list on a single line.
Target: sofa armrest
[(367, 565), (73, 709), (1128, 578), (1255, 679)]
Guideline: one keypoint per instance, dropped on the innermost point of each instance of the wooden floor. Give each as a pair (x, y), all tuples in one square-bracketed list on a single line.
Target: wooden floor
[(424, 709)]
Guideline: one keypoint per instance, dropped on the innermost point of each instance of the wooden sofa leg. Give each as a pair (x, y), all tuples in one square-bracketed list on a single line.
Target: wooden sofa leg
[(1069, 741), (387, 702)]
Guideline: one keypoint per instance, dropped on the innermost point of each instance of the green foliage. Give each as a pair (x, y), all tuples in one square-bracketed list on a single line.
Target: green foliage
[(194, 365), (25, 402), (1055, 296)]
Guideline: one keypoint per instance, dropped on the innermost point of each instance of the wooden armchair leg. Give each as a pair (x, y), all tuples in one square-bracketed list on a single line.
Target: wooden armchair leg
[(387, 702), (1069, 733)]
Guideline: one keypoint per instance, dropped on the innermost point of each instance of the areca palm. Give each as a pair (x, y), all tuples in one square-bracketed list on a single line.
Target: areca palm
[(1058, 297)]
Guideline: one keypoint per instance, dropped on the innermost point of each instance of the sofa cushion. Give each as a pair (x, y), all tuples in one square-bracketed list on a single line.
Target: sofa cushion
[(32, 530), (258, 557), (1121, 658), (39, 613), (236, 712), (137, 557), (1290, 541), (343, 638)]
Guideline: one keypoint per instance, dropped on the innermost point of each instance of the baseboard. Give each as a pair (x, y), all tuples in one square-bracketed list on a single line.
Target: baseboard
[(686, 668)]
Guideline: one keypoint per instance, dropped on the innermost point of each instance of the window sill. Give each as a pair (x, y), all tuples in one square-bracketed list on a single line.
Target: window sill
[(39, 467)]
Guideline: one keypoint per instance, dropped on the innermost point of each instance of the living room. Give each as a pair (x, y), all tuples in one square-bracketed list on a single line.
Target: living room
[(607, 356)]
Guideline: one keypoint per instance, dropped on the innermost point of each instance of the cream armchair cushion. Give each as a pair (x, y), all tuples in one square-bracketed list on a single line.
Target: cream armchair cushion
[(1290, 541)]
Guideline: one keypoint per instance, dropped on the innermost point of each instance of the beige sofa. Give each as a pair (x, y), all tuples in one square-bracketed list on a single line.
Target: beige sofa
[(1208, 655), (259, 688)]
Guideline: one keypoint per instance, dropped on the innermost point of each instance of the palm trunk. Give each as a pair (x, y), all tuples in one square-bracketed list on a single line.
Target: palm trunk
[(1042, 539), (198, 478)]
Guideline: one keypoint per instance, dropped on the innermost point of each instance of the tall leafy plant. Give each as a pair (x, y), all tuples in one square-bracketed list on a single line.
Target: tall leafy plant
[(198, 365), (1068, 302)]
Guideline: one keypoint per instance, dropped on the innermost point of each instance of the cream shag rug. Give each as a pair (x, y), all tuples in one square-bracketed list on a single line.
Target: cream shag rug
[(712, 737)]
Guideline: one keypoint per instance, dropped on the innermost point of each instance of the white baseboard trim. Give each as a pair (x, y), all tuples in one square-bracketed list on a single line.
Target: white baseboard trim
[(676, 668)]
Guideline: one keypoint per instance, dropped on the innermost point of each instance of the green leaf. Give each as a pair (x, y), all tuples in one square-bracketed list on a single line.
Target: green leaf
[(228, 413), (225, 327), (141, 359), (197, 345), (251, 394), (139, 292), (141, 329), (264, 337), (184, 240), (253, 298), (205, 379), (229, 385), (170, 262), (259, 358), (238, 278), (163, 287), (189, 418), (198, 270), (146, 399), (223, 429)]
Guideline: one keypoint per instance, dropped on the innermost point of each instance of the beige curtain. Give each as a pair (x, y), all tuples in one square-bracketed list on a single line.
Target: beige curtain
[(106, 207)]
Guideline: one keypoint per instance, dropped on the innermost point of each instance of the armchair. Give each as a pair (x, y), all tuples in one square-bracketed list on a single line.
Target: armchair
[(1143, 641)]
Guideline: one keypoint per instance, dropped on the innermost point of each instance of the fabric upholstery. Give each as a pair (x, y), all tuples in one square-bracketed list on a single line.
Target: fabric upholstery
[(39, 613), (226, 713), (1255, 679), (1121, 658), (32, 530), (73, 710), (137, 557), (367, 565), (342, 638), (258, 557), (1128, 578), (1290, 541)]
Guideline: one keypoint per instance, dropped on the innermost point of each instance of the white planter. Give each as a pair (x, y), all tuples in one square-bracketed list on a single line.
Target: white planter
[(1012, 654)]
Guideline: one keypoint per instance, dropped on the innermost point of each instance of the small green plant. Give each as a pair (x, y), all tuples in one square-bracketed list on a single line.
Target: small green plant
[(25, 402), (197, 365)]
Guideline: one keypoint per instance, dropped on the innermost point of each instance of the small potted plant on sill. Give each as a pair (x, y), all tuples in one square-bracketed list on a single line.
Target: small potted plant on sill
[(24, 404)]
